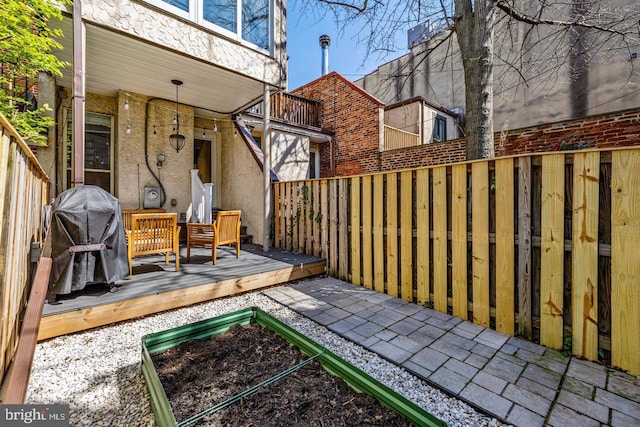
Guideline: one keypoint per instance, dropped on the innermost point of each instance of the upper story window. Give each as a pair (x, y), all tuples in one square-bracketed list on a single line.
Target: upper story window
[(244, 20), (440, 129)]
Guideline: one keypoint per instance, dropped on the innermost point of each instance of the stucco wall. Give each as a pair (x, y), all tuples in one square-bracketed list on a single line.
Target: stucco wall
[(290, 156), (132, 173), (149, 23), (242, 182)]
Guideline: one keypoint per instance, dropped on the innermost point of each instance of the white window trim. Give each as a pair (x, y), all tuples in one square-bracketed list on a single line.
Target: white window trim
[(196, 12)]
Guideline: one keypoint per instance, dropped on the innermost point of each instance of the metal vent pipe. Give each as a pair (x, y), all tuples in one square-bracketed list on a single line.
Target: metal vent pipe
[(325, 42)]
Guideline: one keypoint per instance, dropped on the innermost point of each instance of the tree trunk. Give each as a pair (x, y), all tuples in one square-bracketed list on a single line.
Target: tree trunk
[(474, 29)]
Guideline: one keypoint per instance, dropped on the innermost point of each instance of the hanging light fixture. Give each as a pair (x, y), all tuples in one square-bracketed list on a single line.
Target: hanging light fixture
[(177, 140)]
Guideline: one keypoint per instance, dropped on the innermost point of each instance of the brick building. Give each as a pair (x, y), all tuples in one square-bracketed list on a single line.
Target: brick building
[(356, 121)]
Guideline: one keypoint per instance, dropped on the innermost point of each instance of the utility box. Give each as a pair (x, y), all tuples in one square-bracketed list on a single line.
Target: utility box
[(151, 197)]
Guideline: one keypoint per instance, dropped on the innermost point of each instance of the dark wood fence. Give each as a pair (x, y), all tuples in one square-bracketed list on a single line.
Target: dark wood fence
[(540, 246)]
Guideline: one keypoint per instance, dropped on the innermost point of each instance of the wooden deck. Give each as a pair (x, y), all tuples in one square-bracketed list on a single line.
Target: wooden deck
[(156, 287)]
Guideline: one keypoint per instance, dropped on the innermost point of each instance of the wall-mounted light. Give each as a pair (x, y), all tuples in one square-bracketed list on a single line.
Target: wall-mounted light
[(161, 158), (177, 140)]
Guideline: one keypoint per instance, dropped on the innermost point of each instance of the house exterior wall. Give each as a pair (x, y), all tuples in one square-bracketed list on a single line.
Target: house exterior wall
[(556, 88), (419, 117), (132, 173), (290, 156), (617, 129), (242, 181), (356, 119), (164, 29)]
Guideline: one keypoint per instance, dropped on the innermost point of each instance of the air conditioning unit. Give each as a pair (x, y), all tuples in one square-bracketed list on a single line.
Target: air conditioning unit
[(151, 197)]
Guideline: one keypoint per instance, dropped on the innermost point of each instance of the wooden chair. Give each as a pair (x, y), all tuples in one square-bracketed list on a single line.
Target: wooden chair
[(155, 233), (224, 231)]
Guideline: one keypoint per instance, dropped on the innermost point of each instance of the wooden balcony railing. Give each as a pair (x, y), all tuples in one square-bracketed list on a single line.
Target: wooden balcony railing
[(291, 109), (395, 138)]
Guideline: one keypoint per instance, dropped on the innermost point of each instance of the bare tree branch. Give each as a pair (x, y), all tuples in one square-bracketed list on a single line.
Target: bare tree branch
[(507, 7)]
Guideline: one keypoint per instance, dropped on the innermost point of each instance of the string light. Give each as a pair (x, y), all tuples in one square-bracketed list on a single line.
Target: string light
[(215, 126), (128, 126), (235, 132), (204, 132), (126, 104), (154, 131)]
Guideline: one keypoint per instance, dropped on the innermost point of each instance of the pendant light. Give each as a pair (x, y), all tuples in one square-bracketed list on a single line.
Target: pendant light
[(177, 140)]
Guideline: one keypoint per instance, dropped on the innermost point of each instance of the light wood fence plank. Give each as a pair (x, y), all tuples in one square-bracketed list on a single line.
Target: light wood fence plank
[(356, 277), (584, 280), (324, 220), (378, 233), (480, 242), (505, 250), (625, 268), (333, 227), (392, 234), (277, 212), (406, 235), (552, 251), (367, 247), (317, 216), (308, 223), (422, 235), (459, 240), (343, 232), (440, 240), (524, 247)]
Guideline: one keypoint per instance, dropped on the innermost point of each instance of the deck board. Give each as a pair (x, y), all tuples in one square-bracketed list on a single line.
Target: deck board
[(197, 281)]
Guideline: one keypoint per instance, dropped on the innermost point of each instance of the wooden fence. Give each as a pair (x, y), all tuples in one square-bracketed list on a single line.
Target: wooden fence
[(539, 246), (24, 190), (398, 138)]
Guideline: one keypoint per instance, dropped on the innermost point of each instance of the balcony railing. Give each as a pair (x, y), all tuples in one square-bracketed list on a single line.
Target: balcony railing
[(395, 138), (291, 109)]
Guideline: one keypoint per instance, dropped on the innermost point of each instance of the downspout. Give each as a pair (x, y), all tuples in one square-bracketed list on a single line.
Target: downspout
[(78, 94), (266, 168)]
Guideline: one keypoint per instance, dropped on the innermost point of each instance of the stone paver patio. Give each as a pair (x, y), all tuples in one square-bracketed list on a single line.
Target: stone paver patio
[(512, 379)]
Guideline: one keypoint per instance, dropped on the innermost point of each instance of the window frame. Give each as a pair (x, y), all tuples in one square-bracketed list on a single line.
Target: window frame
[(68, 133), (439, 122), (195, 14)]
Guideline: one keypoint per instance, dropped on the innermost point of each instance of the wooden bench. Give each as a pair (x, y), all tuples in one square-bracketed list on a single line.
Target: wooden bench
[(127, 213), (153, 233)]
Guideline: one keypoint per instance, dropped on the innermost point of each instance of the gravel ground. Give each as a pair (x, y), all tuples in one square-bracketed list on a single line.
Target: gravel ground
[(98, 372)]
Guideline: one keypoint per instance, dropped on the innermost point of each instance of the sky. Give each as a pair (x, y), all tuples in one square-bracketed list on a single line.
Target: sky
[(345, 55)]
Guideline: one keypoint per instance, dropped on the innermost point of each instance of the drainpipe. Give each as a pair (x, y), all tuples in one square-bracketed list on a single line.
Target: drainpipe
[(78, 94), (266, 167)]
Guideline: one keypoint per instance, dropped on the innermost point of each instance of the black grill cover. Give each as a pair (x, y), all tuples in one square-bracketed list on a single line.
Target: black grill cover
[(88, 241)]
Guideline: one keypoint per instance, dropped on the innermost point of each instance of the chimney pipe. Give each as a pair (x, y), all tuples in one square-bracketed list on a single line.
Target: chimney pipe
[(325, 42)]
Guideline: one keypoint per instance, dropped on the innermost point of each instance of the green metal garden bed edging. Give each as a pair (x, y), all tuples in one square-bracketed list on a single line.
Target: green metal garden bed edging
[(357, 379)]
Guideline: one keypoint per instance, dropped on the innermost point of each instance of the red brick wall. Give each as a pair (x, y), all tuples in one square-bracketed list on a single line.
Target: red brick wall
[(354, 118), (616, 129)]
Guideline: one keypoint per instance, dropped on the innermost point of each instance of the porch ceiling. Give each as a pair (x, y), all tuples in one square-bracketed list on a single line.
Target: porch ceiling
[(118, 62)]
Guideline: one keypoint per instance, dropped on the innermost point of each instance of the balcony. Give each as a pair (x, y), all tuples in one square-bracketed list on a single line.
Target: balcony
[(291, 109)]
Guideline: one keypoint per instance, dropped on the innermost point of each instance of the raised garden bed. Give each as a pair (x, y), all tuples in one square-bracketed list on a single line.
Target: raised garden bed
[(247, 368)]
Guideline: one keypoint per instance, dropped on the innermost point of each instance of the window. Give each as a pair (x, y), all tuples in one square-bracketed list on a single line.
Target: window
[(314, 164), (223, 13), (255, 22), (246, 20), (98, 151), (440, 129)]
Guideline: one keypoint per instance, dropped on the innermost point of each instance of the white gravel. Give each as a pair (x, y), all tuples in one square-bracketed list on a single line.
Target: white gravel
[(98, 372)]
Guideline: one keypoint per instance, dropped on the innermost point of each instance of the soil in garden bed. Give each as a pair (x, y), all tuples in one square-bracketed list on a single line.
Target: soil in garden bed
[(199, 374)]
